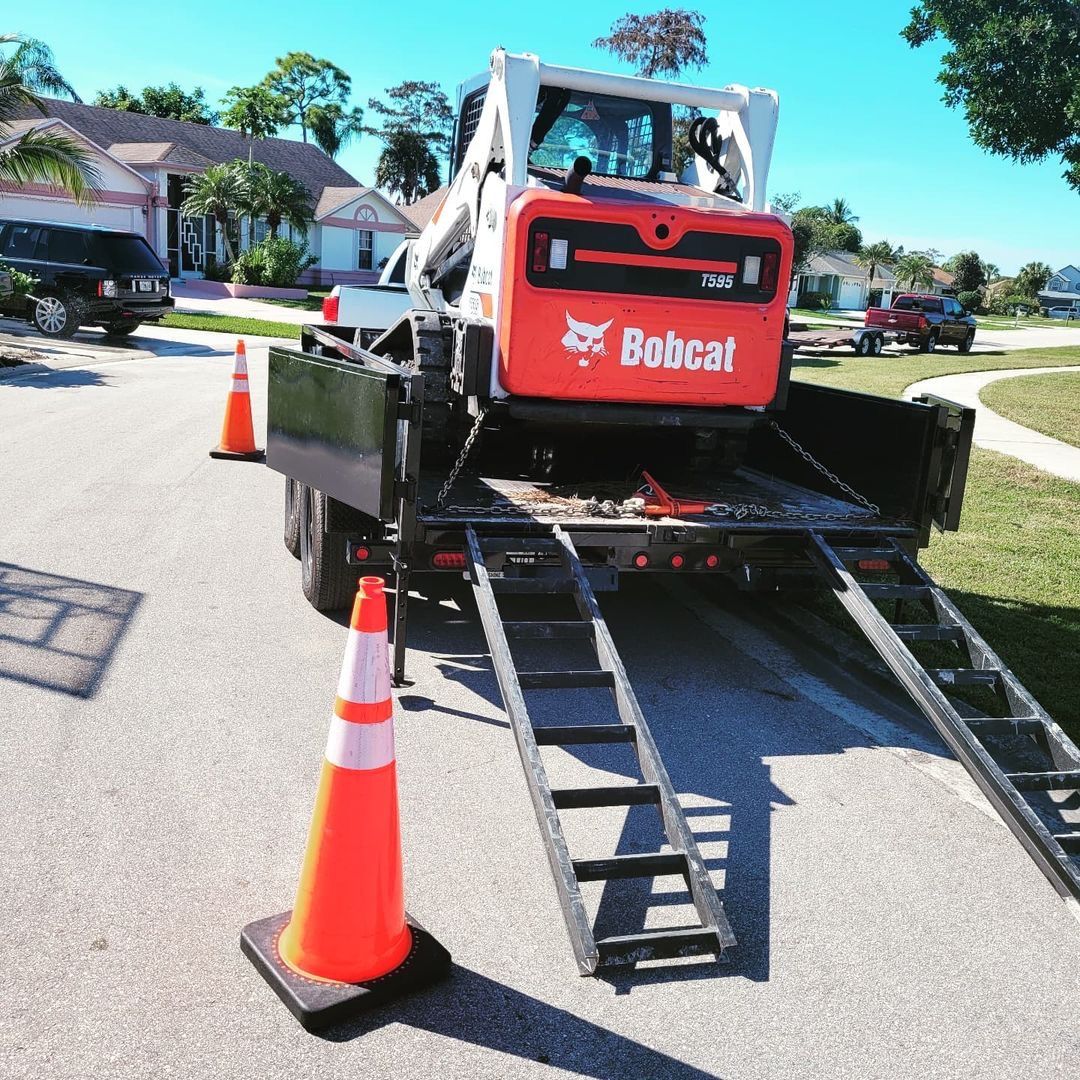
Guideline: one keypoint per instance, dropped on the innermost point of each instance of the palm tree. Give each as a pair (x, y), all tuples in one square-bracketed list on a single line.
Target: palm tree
[(217, 193), (332, 127), (870, 257), (34, 62), (46, 157), (991, 271), (407, 167), (913, 270), (839, 213), (277, 197)]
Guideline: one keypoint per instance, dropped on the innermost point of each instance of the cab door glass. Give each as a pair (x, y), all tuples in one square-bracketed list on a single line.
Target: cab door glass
[(68, 248), (22, 242)]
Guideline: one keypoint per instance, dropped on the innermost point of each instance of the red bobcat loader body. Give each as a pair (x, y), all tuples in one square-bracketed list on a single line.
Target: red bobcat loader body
[(634, 300)]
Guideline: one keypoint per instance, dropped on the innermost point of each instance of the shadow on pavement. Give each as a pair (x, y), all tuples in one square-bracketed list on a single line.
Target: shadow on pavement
[(60, 633), (57, 379), (716, 738), (474, 1009)]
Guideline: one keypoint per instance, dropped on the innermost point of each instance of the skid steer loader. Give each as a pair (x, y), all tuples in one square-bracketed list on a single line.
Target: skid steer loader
[(570, 278)]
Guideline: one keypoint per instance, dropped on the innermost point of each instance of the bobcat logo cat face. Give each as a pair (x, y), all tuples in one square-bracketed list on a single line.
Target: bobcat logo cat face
[(584, 340)]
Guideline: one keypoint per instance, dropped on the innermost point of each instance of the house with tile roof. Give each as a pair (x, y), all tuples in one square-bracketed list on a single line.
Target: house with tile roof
[(145, 161)]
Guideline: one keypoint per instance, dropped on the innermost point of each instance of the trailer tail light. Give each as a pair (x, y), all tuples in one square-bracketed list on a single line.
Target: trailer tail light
[(361, 553), (448, 560), (712, 561), (677, 561), (330, 309), (873, 564), (641, 560), (540, 250), (770, 271)]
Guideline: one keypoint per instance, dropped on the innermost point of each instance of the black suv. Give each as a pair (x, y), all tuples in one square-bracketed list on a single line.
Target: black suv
[(87, 276)]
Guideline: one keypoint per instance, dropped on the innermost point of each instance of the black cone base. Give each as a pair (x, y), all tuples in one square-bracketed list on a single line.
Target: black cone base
[(230, 455), (319, 1005)]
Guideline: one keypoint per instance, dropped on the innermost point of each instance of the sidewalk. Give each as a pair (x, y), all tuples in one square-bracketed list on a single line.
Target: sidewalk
[(190, 298), (994, 432)]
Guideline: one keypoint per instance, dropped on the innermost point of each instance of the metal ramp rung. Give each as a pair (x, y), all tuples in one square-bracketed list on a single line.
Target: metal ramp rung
[(713, 935), (1055, 852), (583, 734)]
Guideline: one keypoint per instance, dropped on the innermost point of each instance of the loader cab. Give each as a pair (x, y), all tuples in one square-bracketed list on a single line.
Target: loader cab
[(622, 137)]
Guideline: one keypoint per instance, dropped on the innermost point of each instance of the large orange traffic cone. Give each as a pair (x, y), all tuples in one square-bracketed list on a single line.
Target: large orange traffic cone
[(348, 944), (237, 434)]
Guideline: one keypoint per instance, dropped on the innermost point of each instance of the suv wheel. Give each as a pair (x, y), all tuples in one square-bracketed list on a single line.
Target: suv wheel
[(56, 316)]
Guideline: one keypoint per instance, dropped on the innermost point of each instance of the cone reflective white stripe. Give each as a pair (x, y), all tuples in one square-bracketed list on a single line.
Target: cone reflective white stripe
[(240, 386), (365, 671), (240, 363), (360, 746)]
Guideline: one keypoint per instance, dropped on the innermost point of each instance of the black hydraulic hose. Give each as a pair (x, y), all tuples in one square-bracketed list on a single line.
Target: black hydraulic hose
[(705, 140)]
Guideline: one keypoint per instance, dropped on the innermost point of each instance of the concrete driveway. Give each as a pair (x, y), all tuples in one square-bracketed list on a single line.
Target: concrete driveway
[(165, 692)]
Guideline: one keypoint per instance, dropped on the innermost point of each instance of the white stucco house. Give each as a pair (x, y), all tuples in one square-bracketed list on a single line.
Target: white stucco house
[(144, 162), (837, 273)]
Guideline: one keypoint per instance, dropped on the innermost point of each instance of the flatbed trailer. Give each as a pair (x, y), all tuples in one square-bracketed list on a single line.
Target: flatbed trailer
[(862, 340), (839, 491)]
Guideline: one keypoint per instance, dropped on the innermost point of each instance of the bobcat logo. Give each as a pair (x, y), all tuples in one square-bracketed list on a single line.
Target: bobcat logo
[(584, 340)]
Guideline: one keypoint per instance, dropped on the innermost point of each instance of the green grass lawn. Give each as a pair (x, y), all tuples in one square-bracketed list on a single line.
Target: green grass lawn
[(806, 313), (312, 302), (1009, 322), (1047, 403), (230, 324), (888, 375), (1014, 566)]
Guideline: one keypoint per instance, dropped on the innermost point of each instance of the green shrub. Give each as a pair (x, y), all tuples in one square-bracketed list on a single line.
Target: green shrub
[(816, 301), (276, 262), (970, 301), (217, 270), (22, 283)]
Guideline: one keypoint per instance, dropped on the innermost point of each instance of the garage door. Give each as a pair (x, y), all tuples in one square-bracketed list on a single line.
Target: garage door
[(128, 218), (850, 293)]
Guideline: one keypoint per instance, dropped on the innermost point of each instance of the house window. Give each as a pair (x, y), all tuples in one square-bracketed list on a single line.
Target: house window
[(366, 260)]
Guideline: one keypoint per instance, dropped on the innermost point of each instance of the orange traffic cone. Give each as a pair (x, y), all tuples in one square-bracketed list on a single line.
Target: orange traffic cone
[(348, 944), (237, 434)]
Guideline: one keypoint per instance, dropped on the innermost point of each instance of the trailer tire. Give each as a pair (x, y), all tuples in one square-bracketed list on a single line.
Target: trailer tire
[(865, 345), (877, 344), (326, 578), (292, 516)]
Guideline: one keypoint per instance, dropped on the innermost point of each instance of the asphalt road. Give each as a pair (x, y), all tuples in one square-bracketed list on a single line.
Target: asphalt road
[(165, 692)]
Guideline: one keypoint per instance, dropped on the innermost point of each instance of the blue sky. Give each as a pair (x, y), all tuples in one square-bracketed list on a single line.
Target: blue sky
[(860, 112)]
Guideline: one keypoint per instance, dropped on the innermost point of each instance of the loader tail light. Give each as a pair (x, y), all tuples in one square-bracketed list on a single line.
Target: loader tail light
[(448, 560), (361, 553), (770, 271), (540, 250), (330, 309), (873, 564)]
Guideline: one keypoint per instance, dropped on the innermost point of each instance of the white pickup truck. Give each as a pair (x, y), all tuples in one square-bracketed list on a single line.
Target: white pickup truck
[(372, 308)]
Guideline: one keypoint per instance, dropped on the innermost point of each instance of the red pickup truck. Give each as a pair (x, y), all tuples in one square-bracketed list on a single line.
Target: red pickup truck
[(926, 321)]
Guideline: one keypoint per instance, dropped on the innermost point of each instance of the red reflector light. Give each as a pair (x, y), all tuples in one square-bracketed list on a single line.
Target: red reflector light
[(541, 246), (448, 560), (641, 560), (677, 561), (873, 564), (330, 309), (100, 289), (770, 270), (362, 553), (712, 561)]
